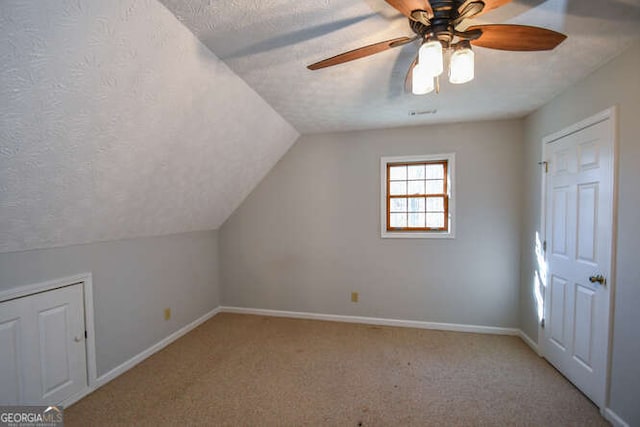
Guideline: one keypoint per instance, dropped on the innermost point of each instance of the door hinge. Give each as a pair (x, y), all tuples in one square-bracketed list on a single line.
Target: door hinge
[(542, 323), (546, 166), (544, 246), (85, 335)]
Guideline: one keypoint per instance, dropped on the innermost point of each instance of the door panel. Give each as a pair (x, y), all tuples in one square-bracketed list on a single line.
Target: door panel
[(583, 332), (561, 162), (578, 223), (53, 324), (558, 300), (11, 366), (559, 241), (587, 211), (588, 155), (62, 363), (51, 353)]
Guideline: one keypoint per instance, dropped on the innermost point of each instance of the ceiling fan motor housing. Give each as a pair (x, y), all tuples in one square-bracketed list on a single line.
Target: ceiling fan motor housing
[(446, 15)]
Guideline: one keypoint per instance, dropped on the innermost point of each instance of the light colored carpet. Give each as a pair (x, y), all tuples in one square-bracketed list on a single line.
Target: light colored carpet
[(241, 370)]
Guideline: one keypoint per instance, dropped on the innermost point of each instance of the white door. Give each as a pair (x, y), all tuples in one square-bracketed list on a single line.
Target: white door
[(578, 228), (42, 350)]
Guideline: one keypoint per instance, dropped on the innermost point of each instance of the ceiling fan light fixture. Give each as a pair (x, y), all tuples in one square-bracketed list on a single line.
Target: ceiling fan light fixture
[(430, 57), (421, 82), (438, 24), (461, 65)]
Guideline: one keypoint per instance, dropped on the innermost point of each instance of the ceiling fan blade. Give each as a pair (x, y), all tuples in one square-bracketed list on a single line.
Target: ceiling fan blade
[(489, 5), (361, 52), (408, 80), (516, 37), (407, 6), (468, 9), (402, 41)]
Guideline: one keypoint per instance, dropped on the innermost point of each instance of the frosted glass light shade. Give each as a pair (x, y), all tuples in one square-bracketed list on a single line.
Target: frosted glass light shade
[(461, 66), (430, 57), (421, 82)]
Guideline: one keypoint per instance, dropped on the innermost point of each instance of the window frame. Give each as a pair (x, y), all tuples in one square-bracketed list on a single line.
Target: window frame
[(449, 179)]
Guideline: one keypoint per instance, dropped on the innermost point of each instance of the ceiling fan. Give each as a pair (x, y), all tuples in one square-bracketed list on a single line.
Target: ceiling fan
[(435, 23)]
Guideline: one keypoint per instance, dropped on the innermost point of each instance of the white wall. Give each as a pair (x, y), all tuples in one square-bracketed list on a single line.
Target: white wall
[(116, 122), (309, 234), (133, 281), (617, 83)]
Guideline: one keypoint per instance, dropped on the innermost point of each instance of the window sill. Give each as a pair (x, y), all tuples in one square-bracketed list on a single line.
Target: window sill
[(417, 235)]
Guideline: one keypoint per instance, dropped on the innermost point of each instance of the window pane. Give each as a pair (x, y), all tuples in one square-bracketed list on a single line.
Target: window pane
[(435, 220), (398, 220), (416, 187), (435, 187), (397, 173), (416, 219), (416, 204), (398, 205), (435, 172), (415, 172), (435, 204), (398, 188)]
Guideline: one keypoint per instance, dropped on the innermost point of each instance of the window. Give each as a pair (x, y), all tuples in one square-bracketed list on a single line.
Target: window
[(417, 196)]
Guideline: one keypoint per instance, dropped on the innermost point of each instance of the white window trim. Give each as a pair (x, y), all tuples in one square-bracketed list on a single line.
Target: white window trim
[(451, 170)]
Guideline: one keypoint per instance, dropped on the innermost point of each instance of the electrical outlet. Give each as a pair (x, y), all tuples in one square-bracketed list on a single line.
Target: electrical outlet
[(167, 313), (354, 297)]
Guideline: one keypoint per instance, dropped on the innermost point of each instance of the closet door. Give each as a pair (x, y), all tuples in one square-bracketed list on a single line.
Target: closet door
[(11, 359), (42, 337)]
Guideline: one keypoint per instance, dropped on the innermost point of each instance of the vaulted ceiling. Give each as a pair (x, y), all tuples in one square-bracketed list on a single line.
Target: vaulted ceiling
[(117, 122), (269, 43)]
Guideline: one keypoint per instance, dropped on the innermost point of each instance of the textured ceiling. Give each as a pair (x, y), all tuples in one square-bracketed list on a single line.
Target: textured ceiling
[(115, 122), (269, 43)]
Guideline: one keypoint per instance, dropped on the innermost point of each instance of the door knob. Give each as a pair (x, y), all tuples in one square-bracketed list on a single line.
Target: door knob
[(77, 339), (598, 279)]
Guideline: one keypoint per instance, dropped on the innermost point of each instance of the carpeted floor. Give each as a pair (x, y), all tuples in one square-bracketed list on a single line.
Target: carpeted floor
[(241, 370)]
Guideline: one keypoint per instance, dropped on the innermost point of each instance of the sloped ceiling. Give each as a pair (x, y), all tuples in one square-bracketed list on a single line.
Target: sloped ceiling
[(269, 43), (115, 121)]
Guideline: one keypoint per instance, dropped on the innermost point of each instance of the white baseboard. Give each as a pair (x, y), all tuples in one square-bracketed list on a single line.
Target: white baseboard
[(613, 418), (119, 370), (607, 413), (374, 321), (73, 399), (531, 343)]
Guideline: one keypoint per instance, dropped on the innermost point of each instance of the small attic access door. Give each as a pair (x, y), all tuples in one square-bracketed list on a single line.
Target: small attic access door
[(43, 347)]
